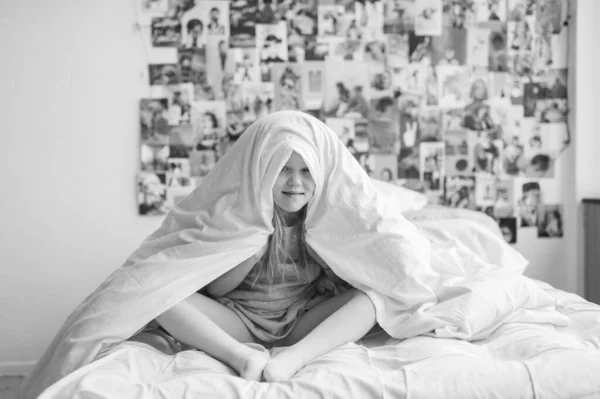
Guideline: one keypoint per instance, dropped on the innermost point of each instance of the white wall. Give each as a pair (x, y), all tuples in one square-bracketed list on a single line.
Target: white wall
[(72, 73)]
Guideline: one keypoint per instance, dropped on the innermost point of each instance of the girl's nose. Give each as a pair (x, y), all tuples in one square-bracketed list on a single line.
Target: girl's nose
[(294, 179)]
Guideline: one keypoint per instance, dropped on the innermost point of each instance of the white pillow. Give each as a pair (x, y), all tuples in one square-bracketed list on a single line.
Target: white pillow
[(407, 200)]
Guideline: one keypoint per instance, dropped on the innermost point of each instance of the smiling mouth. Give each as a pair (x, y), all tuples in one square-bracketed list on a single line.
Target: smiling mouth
[(291, 193)]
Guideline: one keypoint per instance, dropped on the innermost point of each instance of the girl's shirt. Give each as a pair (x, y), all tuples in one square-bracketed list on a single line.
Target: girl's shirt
[(292, 282)]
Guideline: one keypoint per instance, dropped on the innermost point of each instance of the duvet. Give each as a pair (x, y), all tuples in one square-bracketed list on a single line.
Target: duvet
[(497, 346)]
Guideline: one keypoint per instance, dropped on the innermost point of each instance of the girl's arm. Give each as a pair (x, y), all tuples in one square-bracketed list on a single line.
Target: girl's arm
[(330, 274), (230, 280)]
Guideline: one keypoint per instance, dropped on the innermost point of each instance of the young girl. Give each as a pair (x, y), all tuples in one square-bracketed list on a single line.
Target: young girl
[(273, 299)]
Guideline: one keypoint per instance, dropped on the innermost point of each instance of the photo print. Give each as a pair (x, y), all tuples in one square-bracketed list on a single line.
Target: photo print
[(485, 191), (166, 32), (430, 124), (271, 42), (432, 166), (192, 67), (399, 16), (397, 50), (375, 52), (508, 228), (550, 223), (216, 15), (385, 167), (154, 157), (208, 121), (369, 17), (345, 92), (343, 128), (485, 150), (154, 120), (453, 84), (459, 13), (330, 19), (459, 192), (179, 99), (163, 74), (457, 153), (242, 23), (498, 55), (151, 193), (490, 11), (450, 48), (257, 101), (245, 65), (504, 201), (193, 26), (312, 82), (383, 136), (181, 141), (409, 108), (202, 162), (178, 173), (428, 17), (287, 86), (419, 48), (478, 46), (529, 204)]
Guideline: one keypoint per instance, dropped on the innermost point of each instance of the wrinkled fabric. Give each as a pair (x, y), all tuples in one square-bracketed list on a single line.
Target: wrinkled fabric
[(350, 224)]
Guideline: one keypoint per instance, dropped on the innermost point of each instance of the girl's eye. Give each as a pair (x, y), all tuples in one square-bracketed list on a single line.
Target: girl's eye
[(285, 169), (305, 170)]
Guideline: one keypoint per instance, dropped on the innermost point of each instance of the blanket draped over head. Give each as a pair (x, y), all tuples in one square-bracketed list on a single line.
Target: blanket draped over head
[(350, 224)]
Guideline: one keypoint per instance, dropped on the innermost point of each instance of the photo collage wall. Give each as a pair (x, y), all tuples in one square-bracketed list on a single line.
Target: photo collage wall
[(463, 100)]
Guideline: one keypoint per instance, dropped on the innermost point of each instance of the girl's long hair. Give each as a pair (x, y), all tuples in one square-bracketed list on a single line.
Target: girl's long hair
[(276, 255)]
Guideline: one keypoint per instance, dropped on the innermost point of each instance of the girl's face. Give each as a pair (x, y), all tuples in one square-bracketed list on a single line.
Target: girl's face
[(294, 186)]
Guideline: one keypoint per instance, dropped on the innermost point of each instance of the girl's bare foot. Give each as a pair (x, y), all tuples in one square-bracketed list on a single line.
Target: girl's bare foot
[(283, 365), (251, 363)]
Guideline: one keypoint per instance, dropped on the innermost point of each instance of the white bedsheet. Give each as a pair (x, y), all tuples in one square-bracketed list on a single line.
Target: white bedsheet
[(518, 360), (554, 354)]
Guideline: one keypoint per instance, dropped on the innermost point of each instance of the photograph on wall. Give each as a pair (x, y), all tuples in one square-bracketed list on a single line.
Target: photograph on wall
[(245, 65), (154, 157), (343, 128), (216, 15), (312, 82), (409, 108), (192, 67), (550, 222), (271, 42), (450, 48), (369, 15), (419, 48), (179, 99), (485, 191), (151, 193), (490, 11), (385, 167), (477, 46), (163, 74), (432, 166), (345, 91), (208, 121), (287, 86), (485, 150), (459, 192), (457, 153), (329, 19), (202, 162), (397, 50), (498, 53), (428, 17), (399, 16), (430, 124), (508, 228), (375, 52), (242, 23), (504, 202), (154, 120), (529, 204), (181, 141), (178, 173), (194, 29), (166, 32)]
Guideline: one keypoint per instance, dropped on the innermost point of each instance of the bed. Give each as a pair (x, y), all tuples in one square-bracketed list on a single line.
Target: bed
[(541, 358)]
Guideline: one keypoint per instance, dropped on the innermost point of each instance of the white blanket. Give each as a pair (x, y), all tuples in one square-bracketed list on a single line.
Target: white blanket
[(416, 288), (516, 360)]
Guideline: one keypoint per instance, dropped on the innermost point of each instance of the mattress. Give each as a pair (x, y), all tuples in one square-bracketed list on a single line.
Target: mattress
[(516, 360)]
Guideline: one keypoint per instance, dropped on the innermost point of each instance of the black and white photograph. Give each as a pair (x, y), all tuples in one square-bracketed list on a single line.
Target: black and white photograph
[(151, 193), (550, 223), (399, 16), (242, 23), (287, 82), (508, 228), (164, 74), (154, 120), (166, 32), (459, 192), (428, 17)]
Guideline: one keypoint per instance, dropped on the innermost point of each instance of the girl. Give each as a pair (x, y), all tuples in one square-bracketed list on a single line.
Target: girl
[(272, 298)]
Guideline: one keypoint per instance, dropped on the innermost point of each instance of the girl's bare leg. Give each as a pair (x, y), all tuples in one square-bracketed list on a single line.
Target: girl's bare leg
[(207, 325), (346, 317)]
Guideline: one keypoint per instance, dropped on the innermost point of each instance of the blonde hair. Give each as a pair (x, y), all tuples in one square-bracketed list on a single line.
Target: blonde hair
[(276, 255)]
